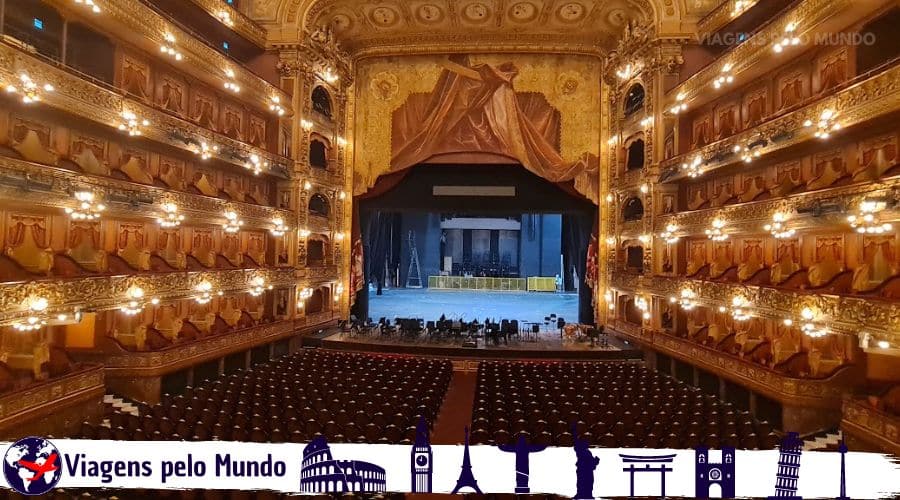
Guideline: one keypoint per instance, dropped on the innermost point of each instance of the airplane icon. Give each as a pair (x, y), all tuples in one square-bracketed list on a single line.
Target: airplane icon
[(40, 470)]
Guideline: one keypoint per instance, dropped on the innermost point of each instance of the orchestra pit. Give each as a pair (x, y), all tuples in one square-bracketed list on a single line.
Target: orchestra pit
[(639, 223)]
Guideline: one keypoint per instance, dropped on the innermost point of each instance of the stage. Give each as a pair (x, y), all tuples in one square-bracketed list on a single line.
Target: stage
[(468, 305)]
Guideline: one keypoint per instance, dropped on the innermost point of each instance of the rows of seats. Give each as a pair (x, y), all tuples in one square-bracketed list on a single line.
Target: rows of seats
[(346, 397), (609, 404)]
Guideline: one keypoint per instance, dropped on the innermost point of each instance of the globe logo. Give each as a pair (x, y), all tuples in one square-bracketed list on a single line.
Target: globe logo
[(32, 466)]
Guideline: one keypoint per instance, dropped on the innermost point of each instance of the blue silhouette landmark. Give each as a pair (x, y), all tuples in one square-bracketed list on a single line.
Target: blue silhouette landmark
[(649, 461), (843, 449), (466, 478), (522, 450), (721, 474), (421, 466), (321, 473), (585, 464), (788, 468)]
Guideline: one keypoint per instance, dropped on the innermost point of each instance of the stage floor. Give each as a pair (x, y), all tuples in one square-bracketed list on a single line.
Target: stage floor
[(469, 304), (547, 346)]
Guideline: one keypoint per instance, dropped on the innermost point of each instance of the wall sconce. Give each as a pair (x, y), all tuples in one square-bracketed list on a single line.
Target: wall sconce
[(669, 234), (225, 17), (884, 344), (302, 296), (826, 125), (739, 307), (645, 188), (693, 168), (610, 198), (307, 185), (627, 72), (275, 105), (338, 291), (230, 84), (611, 241), (641, 303), (342, 195), (778, 227), (280, 227), (329, 76), (135, 302), (168, 47), (740, 6), (811, 324), (725, 77), (339, 236), (679, 106), (29, 89), (647, 122), (206, 151), (866, 220), (686, 300), (304, 233), (171, 217), (748, 153), (645, 238), (717, 233), (256, 164), (613, 141), (89, 3), (341, 141), (132, 124), (37, 318), (232, 223), (205, 290), (609, 298), (259, 286), (88, 208), (306, 124), (790, 39)]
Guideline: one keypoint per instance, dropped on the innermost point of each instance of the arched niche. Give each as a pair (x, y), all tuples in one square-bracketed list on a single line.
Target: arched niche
[(634, 99), (633, 209), (318, 153), (321, 101), (635, 154), (318, 205)]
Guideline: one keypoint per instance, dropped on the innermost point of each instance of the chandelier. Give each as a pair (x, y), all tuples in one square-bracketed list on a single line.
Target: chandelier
[(206, 151), (740, 6), (866, 220), (302, 296), (88, 208), (338, 291), (304, 233), (329, 76), (231, 85), (280, 227), (778, 227), (810, 325), (608, 297), (641, 303), (669, 234), (679, 106), (256, 164), (716, 233), (171, 218), (132, 123), (29, 89), (259, 286), (232, 222), (37, 317)]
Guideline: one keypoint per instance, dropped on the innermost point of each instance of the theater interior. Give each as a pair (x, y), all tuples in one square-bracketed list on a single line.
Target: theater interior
[(202, 202)]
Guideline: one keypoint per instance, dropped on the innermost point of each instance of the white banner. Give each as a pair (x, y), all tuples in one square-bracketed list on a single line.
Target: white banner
[(263, 466)]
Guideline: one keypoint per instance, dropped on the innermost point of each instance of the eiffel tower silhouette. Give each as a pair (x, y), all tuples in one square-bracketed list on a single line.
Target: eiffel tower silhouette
[(465, 475)]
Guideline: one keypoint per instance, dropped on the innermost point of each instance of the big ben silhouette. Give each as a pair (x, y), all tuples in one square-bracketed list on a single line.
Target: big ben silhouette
[(421, 467)]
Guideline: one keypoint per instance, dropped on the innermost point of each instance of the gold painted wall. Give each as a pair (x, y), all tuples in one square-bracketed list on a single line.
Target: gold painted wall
[(570, 84)]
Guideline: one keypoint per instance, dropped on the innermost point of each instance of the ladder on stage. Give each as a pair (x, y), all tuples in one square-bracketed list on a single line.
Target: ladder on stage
[(413, 280)]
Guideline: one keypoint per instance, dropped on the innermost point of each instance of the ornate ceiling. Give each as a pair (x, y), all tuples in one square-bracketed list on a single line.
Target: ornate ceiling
[(416, 26)]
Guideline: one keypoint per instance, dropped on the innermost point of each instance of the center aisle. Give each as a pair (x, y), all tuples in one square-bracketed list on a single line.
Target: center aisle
[(456, 412)]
